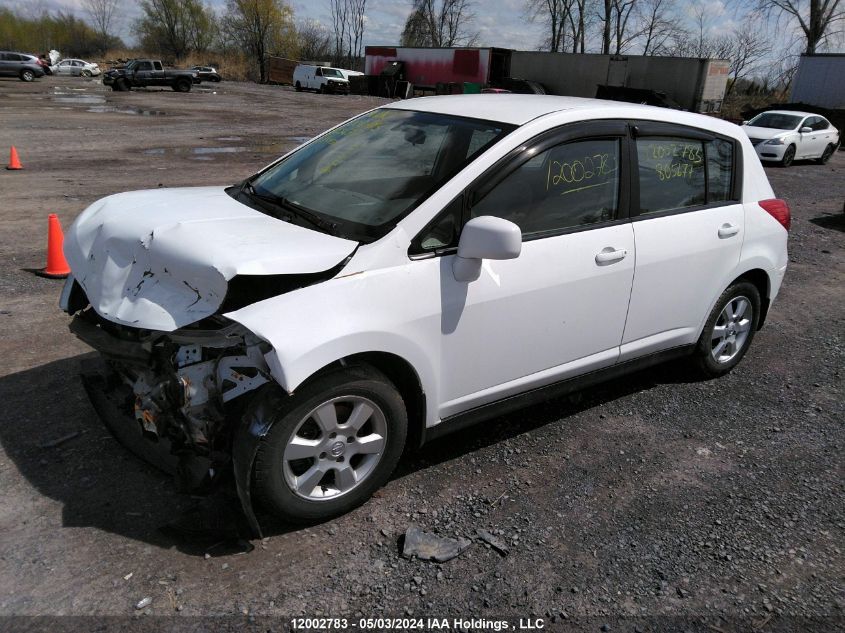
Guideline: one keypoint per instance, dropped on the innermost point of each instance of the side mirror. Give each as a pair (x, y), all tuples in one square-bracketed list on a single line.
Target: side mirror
[(486, 237), (805, 130)]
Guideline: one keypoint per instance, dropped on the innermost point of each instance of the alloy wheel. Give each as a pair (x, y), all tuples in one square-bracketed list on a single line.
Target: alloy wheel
[(335, 448), (731, 329)]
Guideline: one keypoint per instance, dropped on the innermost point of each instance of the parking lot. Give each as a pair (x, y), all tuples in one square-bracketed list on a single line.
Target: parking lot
[(656, 502)]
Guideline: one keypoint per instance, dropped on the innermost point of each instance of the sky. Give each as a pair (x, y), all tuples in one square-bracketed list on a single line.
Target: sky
[(500, 23)]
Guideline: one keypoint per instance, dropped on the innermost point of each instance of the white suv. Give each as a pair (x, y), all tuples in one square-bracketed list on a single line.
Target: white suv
[(425, 265)]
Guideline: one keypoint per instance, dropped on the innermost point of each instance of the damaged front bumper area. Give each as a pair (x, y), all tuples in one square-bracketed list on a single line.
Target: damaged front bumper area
[(174, 398)]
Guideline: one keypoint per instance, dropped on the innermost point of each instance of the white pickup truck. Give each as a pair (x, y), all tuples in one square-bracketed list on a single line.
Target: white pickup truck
[(320, 78)]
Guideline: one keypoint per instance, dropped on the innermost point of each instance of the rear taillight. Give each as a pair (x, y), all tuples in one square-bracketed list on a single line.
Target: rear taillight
[(779, 210)]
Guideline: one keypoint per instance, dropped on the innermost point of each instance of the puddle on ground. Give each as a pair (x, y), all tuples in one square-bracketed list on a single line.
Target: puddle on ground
[(66, 97), (125, 110), (197, 151), (207, 153)]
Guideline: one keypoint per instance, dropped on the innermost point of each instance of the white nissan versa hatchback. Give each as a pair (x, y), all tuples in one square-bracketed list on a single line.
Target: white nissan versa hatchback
[(425, 265)]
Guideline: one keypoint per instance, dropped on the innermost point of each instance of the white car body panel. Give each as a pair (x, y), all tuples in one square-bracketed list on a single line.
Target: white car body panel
[(682, 262), (563, 315), (160, 259), (551, 306)]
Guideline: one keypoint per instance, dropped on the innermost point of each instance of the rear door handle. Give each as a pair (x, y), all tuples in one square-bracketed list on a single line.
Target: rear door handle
[(609, 255), (728, 230)]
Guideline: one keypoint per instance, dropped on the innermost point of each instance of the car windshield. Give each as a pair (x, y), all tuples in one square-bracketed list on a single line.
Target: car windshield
[(331, 72), (365, 175), (776, 121)]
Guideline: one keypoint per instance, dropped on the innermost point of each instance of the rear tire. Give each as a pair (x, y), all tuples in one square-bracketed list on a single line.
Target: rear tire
[(788, 156), (182, 86), (86, 73), (27, 75), (828, 152), (331, 444), (729, 330)]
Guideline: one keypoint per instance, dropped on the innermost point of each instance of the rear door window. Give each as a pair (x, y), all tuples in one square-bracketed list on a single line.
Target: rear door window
[(672, 173), (677, 173)]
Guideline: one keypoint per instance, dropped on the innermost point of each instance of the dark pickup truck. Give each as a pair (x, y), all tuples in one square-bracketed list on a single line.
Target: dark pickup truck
[(141, 73)]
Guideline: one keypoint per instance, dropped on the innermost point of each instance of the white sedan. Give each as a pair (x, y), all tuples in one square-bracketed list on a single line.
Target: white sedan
[(425, 265), (786, 135), (76, 68)]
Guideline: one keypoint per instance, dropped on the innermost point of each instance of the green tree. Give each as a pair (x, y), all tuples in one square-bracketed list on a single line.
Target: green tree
[(261, 28), (176, 27), (60, 30)]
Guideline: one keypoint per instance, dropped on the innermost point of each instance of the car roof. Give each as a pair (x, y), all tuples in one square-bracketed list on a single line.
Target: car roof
[(519, 109), (795, 112)]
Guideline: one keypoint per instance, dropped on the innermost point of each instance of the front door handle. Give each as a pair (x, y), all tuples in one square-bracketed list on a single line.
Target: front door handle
[(728, 230), (609, 255)]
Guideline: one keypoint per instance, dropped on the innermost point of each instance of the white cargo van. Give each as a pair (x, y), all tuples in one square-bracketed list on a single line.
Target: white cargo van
[(319, 78)]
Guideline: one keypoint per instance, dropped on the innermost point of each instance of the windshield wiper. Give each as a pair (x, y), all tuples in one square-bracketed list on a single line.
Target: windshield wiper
[(289, 207)]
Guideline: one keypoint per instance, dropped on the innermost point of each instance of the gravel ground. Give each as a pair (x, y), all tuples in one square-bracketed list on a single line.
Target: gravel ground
[(653, 503)]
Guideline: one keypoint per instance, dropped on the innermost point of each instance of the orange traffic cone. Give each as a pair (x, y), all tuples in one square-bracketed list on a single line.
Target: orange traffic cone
[(57, 267), (14, 161)]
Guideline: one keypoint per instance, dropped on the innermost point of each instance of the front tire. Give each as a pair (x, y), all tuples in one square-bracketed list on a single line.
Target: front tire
[(182, 86), (331, 445), (729, 330), (298, 87), (788, 156)]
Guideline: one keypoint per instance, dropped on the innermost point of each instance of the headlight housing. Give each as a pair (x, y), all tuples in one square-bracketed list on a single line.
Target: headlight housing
[(774, 141)]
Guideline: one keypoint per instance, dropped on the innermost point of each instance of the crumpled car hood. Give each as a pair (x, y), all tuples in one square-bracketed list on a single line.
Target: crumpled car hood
[(161, 259)]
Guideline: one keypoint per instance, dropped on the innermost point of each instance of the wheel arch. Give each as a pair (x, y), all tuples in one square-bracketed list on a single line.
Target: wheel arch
[(761, 280), (401, 372), (249, 433)]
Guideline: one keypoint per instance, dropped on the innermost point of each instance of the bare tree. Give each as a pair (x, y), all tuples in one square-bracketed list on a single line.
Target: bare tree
[(102, 15), (622, 10), (817, 19), (348, 23), (656, 25), (578, 25), (261, 27), (615, 16), (555, 14), (357, 9), (314, 40), (749, 46), (176, 27), (441, 23), (606, 18)]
